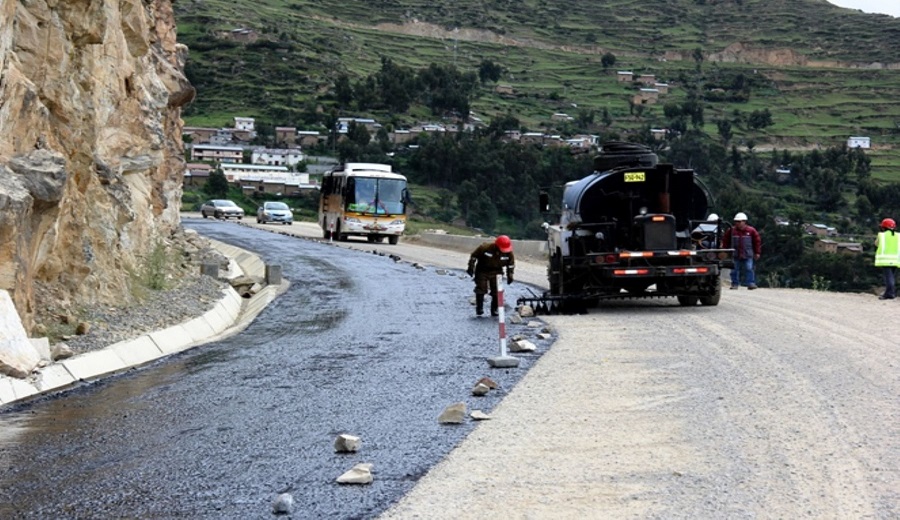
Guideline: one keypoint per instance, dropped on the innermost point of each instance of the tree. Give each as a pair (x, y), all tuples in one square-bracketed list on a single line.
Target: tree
[(724, 127), (489, 71), (608, 60), (759, 119), (343, 91), (217, 185)]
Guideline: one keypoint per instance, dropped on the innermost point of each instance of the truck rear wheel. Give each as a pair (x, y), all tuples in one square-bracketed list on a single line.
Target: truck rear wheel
[(393, 239), (713, 299)]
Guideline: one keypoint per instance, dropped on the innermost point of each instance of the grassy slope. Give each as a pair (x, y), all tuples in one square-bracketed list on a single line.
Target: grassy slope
[(556, 60)]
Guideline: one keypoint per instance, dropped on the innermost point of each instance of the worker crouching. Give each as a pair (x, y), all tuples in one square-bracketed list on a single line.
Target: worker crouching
[(485, 264)]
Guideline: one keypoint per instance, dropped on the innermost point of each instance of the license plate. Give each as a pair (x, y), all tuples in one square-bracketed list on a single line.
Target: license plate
[(634, 177)]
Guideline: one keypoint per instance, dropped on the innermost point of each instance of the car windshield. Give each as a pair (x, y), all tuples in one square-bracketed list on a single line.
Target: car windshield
[(225, 203), (276, 205)]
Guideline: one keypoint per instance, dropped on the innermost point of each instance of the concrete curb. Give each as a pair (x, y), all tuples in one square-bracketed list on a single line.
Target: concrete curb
[(229, 316)]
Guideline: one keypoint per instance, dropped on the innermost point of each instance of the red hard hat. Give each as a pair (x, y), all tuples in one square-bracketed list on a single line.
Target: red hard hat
[(887, 223), (504, 244)]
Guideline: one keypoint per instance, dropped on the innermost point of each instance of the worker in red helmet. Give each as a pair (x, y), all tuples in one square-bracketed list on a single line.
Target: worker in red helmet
[(887, 256), (486, 262)]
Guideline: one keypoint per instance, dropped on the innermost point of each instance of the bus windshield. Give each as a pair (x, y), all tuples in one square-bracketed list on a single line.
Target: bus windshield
[(376, 196)]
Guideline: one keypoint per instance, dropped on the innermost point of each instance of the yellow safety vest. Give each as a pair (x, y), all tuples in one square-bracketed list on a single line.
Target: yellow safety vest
[(888, 251)]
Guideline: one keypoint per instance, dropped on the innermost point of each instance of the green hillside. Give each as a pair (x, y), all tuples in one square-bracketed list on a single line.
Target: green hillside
[(825, 73), (748, 81)]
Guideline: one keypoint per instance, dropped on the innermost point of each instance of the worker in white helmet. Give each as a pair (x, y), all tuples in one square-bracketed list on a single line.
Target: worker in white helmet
[(747, 245)]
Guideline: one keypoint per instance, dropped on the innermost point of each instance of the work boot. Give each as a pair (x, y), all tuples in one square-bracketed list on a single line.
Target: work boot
[(494, 311), (479, 304)]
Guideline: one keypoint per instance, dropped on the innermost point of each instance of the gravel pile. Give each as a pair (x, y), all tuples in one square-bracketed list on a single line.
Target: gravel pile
[(160, 309)]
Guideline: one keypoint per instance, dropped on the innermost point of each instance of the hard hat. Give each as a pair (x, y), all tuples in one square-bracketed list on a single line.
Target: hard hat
[(712, 217), (504, 244), (740, 216), (888, 223)]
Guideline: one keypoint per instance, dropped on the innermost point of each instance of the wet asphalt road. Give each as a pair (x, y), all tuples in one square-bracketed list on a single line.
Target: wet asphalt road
[(359, 344)]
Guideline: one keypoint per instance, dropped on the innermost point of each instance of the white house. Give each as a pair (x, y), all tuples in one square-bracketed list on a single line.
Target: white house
[(859, 142), (276, 157), (235, 172), (244, 123)]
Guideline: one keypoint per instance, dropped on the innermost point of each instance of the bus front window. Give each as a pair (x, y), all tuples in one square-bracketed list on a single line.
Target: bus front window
[(390, 196), (361, 195)]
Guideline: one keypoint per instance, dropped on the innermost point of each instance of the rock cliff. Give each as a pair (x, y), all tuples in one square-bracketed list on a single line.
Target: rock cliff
[(91, 157)]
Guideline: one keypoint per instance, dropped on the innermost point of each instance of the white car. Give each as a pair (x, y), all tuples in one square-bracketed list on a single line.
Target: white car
[(275, 212), (221, 208)]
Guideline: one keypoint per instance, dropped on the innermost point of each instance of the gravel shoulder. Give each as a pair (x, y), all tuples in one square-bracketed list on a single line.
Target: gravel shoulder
[(774, 404)]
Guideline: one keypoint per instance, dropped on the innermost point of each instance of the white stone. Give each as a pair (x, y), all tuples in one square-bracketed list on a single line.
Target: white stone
[(478, 415), (522, 346), (283, 504), (481, 389), (526, 311), (18, 357), (359, 474), (535, 324), (453, 414), (346, 443)]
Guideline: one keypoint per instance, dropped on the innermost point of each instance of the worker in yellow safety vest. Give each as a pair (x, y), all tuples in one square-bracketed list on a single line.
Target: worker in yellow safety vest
[(887, 256)]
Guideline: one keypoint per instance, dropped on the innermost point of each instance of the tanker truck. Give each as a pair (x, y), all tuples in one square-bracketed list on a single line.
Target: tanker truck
[(633, 228)]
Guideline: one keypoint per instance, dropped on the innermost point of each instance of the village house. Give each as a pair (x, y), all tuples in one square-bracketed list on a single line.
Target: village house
[(401, 136), (646, 96), (246, 124), (197, 134), (582, 142), (287, 186), (504, 90), (663, 88), (560, 116), (196, 174), (237, 172), (820, 230), (308, 138), (830, 246), (216, 154), (286, 136), (624, 76), (859, 142), (647, 79), (532, 138), (276, 156)]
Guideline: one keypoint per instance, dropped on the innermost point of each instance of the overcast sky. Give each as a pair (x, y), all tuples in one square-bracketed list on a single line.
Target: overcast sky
[(891, 7)]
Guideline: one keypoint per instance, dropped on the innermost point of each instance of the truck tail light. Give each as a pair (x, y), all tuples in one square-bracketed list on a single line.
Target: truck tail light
[(631, 272), (690, 270)]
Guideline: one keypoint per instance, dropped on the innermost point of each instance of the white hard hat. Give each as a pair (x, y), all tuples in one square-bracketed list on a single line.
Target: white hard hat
[(740, 216), (712, 217)]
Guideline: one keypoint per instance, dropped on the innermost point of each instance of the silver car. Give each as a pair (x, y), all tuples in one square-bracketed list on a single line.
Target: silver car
[(221, 208), (275, 212)]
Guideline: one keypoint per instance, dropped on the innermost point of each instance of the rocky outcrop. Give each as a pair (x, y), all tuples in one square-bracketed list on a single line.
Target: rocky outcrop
[(91, 157)]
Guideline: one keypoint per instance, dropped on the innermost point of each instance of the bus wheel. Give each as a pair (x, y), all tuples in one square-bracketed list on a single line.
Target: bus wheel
[(393, 239)]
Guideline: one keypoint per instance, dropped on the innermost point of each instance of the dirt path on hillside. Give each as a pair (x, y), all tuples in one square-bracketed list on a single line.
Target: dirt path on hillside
[(775, 404)]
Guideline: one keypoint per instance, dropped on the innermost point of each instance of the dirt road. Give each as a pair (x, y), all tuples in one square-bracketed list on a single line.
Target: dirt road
[(775, 404)]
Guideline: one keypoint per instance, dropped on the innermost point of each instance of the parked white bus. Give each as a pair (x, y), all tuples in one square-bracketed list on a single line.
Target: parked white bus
[(363, 199)]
